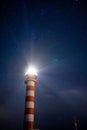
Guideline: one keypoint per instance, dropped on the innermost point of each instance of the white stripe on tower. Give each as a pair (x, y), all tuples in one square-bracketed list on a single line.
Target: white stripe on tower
[(30, 93), (29, 103)]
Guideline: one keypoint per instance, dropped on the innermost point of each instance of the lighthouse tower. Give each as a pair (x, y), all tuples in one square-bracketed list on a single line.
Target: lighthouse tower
[(30, 81)]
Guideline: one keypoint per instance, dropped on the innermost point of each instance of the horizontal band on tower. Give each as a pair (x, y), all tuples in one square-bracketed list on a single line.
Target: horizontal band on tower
[(28, 125), (29, 98), (30, 87), (29, 117), (32, 83), (30, 93), (29, 111), (29, 104)]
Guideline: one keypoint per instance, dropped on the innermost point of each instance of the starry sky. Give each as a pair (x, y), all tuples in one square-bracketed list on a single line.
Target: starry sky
[(52, 35)]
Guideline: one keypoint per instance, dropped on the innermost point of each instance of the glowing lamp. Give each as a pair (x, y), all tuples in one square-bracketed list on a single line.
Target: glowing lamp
[(31, 71)]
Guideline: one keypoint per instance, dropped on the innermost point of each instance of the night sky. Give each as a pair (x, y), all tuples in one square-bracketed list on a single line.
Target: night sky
[(52, 35)]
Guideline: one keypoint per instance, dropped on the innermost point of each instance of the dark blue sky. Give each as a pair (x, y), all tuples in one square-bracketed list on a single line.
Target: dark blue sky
[(53, 36)]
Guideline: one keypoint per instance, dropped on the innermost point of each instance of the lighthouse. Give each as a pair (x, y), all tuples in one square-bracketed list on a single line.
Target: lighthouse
[(30, 81)]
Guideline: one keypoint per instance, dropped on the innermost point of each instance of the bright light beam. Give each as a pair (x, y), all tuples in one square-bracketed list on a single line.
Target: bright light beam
[(31, 71)]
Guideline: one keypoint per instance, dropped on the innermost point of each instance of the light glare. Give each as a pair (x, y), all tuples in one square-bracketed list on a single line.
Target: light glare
[(31, 71)]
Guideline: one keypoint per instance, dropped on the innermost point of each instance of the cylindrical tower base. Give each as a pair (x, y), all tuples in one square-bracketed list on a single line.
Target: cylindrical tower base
[(29, 102)]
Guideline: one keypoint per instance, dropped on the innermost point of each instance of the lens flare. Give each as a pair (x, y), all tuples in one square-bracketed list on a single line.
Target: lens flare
[(31, 71)]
